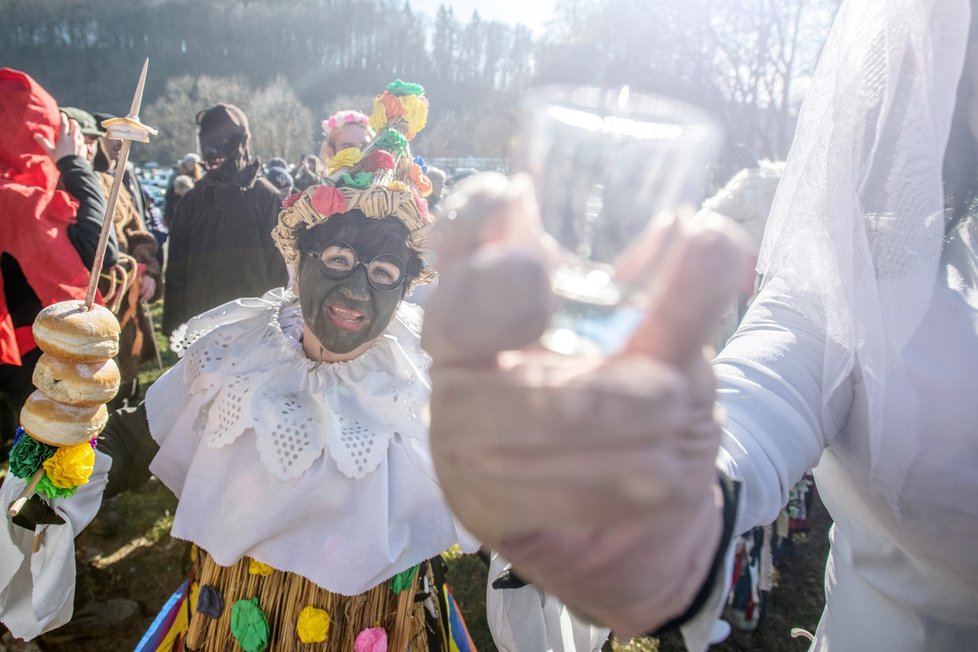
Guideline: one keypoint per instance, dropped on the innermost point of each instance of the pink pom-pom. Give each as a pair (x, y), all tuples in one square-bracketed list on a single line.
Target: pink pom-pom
[(371, 640), (328, 200)]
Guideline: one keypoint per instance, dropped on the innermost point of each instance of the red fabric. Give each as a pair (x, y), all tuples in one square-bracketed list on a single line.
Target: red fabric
[(25, 339), (34, 215)]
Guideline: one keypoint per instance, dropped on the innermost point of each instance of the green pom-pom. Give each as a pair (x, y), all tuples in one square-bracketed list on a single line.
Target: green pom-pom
[(28, 456), (51, 490), (249, 625), (360, 180), (403, 580), (391, 141), (400, 88)]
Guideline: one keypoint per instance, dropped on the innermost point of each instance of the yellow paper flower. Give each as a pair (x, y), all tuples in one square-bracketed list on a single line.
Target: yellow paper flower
[(313, 625), (378, 119), (415, 112), (257, 568), (70, 466), (397, 186), (345, 158)]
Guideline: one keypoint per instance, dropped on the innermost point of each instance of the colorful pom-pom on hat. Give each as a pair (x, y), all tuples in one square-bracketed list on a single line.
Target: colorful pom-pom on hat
[(381, 181)]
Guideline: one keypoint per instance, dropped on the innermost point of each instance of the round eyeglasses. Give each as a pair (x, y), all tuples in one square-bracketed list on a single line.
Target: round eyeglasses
[(338, 260)]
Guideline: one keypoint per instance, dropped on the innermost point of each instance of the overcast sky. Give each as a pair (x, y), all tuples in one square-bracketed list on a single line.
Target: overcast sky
[(532, 13)]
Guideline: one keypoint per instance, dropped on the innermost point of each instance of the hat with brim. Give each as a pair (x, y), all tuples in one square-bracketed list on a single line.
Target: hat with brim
[(86, 121)]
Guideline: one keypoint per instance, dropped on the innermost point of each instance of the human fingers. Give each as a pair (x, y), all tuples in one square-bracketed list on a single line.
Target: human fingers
[(694, 286), (491, 301), (46, 144)]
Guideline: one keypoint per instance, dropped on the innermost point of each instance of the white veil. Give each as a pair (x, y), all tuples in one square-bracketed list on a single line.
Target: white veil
[(858, 220)]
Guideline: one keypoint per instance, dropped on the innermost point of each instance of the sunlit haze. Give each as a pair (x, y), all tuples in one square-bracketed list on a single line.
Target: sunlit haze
[(533, 14)]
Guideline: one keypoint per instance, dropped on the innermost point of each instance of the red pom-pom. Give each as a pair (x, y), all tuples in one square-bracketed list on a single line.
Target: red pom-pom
[(291, 199), (380, 160), (328, 200)]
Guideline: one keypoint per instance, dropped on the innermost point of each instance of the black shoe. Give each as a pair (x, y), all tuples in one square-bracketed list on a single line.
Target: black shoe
[(94, 620)]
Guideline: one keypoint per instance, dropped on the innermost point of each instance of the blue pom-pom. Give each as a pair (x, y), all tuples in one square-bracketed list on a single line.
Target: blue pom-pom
[(421, 164), (18, 435)]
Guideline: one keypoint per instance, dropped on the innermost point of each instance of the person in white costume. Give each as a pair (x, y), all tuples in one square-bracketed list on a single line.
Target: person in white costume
[(855, 358)]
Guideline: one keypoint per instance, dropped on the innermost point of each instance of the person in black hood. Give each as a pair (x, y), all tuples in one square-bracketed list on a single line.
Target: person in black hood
[(220, 238)]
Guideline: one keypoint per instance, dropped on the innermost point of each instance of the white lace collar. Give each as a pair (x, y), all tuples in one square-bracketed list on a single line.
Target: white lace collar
[(247, 360)]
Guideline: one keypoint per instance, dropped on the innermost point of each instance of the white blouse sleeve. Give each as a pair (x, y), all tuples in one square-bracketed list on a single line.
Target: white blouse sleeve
[(769, 390)]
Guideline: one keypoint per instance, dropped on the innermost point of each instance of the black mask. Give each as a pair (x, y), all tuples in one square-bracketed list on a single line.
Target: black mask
[(347, 313)]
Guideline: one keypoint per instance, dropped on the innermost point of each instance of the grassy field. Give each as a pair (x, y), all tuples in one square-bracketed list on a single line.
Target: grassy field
[(145, 564)]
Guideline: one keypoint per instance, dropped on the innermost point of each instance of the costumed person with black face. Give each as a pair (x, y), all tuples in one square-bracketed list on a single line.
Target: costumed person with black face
[(293, 432), (220, 243)]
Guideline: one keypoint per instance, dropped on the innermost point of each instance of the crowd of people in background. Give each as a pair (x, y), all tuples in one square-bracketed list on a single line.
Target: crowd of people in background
[(797, 389)]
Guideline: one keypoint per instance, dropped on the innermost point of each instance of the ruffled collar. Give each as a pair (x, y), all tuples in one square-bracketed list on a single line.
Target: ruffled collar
[(246, 359)]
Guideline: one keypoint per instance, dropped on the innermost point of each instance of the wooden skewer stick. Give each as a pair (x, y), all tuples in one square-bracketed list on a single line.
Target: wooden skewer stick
[(120, 171), (28, 491)]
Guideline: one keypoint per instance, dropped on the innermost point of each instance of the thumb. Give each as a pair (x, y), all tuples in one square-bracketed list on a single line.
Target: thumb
[(697, 283), (492, 301)]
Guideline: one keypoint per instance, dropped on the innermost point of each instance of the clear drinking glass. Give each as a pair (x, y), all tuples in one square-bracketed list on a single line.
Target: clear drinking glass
[(604, 163)]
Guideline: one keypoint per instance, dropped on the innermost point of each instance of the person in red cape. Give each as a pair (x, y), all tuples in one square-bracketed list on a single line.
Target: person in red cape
[(51, 209)]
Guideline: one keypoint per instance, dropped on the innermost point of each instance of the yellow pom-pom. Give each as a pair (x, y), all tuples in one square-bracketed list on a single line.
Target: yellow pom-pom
[(415, 112), (397, 186), (70, 466), (257, 568), (313, 625), (378, 119), (345, 158)]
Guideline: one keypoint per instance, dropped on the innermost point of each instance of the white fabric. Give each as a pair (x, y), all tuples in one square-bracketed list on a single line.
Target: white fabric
[(37, 589), (857, 222), (243, 422), (529, 620), (898, 579)]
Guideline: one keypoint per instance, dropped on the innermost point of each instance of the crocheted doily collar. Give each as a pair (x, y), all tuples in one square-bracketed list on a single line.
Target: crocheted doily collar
[(246, 359)]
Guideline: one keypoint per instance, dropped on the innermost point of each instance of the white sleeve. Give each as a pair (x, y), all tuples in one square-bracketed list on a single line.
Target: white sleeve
[(527, 619), (37, 589), (769, 388)]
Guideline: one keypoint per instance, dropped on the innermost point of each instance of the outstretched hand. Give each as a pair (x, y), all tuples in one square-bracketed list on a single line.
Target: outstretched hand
[(594, 476)]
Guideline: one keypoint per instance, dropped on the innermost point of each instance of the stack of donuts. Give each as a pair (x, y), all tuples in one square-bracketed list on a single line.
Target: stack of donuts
[(75, 377)]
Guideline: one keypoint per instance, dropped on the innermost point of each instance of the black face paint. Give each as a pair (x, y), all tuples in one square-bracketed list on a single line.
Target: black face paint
[(347, 313)]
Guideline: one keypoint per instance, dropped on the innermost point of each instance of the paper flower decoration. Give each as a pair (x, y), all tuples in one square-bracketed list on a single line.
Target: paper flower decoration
[(345, 158), (380, 160), (328, 200), (46, 488), (210, 602), (403, 580), (291, 199), (415, 112), (391, 141), (27, 456), (249, 625), (359, 180), (70, 466), (313, 626), (371, 640), (401, 88), (419, 179), (255, 567)]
